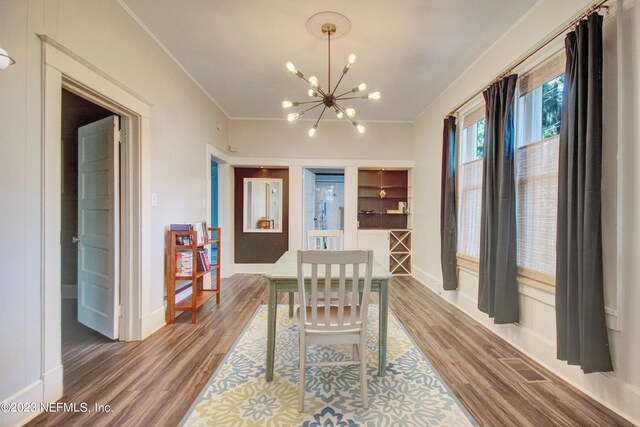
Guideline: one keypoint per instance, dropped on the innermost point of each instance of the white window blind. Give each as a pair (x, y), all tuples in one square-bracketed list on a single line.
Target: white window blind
[(469, 212), (537, 170), (470, 185), (537, 199)]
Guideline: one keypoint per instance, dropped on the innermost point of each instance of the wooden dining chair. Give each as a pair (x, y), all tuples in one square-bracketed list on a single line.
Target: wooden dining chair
[(331, 240), (324, 322)]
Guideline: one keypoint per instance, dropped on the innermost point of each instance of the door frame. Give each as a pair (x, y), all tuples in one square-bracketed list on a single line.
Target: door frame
[(64, 69)]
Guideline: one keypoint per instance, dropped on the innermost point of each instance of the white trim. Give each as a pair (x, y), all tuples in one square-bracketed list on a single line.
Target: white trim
[(152, 321), (62, 68), (33, 393), (169, 54)]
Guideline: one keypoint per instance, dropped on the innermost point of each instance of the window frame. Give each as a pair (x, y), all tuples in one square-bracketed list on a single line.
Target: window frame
[(525, 276)]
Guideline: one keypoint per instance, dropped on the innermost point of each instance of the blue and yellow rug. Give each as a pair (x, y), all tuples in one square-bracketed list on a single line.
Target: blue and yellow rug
[(411, 394)]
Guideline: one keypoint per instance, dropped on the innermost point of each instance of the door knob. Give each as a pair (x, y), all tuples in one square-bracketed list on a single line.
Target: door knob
[(74, 239)]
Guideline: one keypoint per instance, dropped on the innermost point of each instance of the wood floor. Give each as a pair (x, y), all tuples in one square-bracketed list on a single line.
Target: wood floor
[(154, 382)]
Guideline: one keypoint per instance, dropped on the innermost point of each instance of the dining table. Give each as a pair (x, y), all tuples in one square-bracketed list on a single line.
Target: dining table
[(283, 278)]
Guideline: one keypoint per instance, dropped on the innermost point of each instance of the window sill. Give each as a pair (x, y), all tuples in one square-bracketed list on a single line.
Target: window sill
[(471, 265)]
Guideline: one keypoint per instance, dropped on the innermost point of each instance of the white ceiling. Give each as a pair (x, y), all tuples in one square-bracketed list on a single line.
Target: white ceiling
[(410, 50)]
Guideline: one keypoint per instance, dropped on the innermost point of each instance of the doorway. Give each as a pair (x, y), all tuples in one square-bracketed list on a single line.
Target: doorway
[(90, 216), (323, 202)]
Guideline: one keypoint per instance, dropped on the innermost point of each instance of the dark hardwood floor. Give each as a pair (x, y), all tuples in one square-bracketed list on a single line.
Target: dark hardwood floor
[(154, 382)]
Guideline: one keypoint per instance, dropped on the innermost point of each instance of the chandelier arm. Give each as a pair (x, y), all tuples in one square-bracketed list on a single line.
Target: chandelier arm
[(311, 108), (329, 66), (309, 102), (343, 94), (338, 84), (353, 122), (323, 110), (350, 97)]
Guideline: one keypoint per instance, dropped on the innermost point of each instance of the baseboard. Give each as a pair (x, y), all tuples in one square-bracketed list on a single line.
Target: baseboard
[(152, 322), (621, 398), (31, 394), (48, 389)]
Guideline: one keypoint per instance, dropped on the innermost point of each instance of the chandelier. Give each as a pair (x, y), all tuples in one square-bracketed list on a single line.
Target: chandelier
[(328, 97)]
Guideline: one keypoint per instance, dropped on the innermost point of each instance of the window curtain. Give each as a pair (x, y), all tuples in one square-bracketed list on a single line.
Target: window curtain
[(448, 226), (580, 317), (498, 287)]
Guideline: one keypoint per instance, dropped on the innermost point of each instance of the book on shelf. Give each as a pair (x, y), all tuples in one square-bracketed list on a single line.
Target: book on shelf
[(198, 227), (184, 263), (203, 261)]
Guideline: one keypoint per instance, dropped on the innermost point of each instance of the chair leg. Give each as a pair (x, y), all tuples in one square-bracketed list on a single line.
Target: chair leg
[(303, 362), (354, 353), (363, 371)]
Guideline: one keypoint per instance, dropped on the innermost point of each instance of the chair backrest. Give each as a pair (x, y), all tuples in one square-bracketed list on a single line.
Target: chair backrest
[(318, 240), (328, 272)]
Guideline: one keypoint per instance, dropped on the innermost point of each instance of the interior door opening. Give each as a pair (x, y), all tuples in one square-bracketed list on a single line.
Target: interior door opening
[(323, 202), (90, 216)]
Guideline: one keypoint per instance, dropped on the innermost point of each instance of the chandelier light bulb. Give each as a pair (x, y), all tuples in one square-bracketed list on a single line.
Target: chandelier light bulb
[(361, 86), (312, 131), (287, 104), (292, 68), (314, 81), (352, 58), (312, 93), (374, 95), (360, 128), (293, 116), (339, 114), (351, 113)]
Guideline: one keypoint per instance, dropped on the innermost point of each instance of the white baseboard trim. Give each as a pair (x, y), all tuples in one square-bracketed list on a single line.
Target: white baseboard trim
[(29, 395), (251, 268), (619, 397), (52, 384), (48, 389), (69, 291), (152, 322)]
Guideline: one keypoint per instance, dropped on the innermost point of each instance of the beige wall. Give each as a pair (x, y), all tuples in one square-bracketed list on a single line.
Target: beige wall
[(536, 332), (183, 121), (334, 139)]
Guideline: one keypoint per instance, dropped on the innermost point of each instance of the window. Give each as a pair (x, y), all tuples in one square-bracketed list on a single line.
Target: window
[(470, 185), (538, 127)]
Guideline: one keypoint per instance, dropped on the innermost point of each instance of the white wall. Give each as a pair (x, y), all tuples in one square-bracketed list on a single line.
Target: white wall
[(536, 332), (183, 120)]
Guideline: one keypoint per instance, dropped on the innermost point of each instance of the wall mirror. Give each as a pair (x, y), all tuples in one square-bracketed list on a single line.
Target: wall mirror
[(262, 205)]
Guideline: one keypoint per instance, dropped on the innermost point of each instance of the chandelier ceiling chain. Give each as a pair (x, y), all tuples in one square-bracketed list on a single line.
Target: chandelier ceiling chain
[(328, 97)]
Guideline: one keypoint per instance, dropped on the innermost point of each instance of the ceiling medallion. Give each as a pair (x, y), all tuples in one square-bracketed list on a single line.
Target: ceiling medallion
[(328, 25)]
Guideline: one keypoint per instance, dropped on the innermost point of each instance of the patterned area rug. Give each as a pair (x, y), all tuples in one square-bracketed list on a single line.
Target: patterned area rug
[(411, 394)]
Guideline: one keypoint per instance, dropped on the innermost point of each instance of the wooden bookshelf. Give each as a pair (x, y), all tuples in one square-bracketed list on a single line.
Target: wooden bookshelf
[(177, 284)]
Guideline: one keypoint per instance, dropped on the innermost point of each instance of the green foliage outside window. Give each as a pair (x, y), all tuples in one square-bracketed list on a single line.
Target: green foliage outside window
[(480, 139), (552, 106)]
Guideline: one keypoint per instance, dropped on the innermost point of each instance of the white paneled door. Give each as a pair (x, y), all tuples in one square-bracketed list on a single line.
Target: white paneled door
[(98, 214)]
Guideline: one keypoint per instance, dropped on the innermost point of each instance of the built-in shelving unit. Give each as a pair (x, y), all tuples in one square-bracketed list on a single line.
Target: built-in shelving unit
[(177, 283), (381, 191)]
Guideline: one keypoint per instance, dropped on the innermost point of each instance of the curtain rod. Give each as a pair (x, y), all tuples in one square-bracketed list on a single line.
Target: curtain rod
[(600, 4)]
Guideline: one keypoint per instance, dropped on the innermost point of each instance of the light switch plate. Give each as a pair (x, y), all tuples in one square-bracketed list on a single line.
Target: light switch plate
[(154, 199)]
